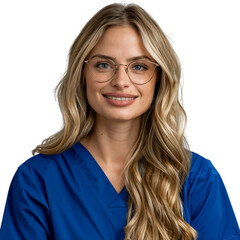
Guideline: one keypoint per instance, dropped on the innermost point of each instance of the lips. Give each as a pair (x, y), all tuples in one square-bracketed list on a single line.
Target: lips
[(120, 99)]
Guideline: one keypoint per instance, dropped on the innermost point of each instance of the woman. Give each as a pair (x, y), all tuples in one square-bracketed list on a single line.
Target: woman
[(119, 168)]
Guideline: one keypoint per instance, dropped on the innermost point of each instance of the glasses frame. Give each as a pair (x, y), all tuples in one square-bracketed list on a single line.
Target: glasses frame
[(126, 66)]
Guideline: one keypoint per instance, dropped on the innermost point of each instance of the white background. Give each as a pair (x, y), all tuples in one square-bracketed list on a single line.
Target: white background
[(35, 40)]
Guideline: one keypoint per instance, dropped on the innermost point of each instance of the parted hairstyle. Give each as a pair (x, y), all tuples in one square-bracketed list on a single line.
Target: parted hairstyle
[(160, 160)]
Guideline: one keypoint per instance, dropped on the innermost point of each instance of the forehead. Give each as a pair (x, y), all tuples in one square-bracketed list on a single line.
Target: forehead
[(120, 42)]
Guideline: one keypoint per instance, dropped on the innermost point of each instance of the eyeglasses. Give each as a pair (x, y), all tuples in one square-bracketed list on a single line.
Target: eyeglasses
[(139, 71)]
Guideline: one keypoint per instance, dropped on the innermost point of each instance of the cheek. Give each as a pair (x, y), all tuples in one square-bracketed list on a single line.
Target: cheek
[(91, 93), (90, 90), (147, 94), (150, 90)]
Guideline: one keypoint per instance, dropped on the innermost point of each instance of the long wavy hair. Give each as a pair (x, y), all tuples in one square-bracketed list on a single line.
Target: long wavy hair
[(159, 161)]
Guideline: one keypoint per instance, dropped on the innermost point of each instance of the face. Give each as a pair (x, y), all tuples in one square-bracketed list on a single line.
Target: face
[(119, 98)]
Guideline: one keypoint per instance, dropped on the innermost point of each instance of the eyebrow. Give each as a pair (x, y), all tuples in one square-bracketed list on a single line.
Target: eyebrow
[(129, 59)]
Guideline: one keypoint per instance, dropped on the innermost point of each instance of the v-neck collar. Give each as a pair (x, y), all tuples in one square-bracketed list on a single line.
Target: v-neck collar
[(99, 179)]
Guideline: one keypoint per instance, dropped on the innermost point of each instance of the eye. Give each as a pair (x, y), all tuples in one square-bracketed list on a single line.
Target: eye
[(103, 65), (138, 67)]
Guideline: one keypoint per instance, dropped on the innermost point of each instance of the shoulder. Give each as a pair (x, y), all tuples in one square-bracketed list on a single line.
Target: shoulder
[(201, 165), (201, 172), (50, 168), (44, 166), (206, 202), (41, 163), (200, 183)]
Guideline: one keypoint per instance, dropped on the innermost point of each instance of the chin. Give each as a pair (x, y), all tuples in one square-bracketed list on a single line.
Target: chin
[(117, 116), (123, 118)]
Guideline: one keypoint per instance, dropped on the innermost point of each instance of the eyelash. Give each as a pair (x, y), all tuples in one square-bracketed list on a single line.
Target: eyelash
[(101, 66), (98, 65), (142, 67)]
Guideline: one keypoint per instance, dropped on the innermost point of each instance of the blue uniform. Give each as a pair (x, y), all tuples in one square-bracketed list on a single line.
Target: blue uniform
[(68, 196)]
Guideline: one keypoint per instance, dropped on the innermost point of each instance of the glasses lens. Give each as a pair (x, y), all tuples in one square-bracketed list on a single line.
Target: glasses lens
[(101, 69), (141, 71)]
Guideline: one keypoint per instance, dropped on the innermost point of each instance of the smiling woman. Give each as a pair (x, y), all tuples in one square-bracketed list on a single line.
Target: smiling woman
[(120, 168)]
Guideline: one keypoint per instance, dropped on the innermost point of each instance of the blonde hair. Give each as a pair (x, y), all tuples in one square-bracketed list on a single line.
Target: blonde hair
[(159, 162)]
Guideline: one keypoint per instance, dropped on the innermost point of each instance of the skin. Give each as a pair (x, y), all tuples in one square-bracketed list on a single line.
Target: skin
[(117, 127)]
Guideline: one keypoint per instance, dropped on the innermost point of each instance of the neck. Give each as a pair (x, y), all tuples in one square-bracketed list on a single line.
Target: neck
[(111, 141)]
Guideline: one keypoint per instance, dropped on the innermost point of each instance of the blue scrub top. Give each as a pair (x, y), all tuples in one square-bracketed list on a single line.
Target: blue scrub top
[(68, 196)]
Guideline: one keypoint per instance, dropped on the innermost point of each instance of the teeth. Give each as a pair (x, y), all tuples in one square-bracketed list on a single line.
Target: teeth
[(120, 98)]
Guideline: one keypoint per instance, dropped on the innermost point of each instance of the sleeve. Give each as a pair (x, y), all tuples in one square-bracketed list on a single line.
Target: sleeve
[(212, 215), (26, 211)]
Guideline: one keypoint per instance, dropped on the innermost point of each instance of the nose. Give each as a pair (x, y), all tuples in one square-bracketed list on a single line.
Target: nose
[(121, 79)]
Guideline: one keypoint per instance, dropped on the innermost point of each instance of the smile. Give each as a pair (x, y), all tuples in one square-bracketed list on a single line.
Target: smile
[(120, 98)]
